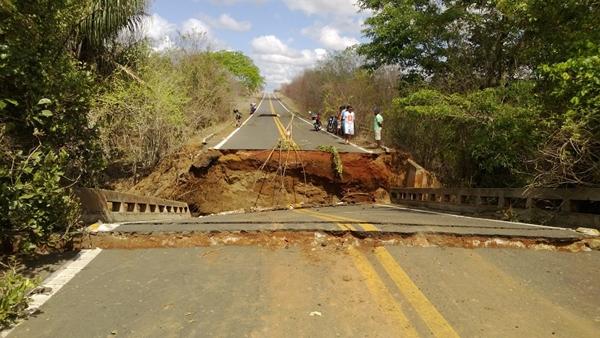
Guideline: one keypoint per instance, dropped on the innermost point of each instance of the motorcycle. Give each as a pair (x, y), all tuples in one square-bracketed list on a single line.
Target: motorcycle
[(317, 122)]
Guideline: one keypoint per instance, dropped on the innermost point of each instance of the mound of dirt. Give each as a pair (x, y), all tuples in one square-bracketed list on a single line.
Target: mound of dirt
[(213, 181)]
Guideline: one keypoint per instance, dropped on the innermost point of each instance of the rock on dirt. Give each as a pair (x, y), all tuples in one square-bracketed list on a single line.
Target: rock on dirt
[(213, 181)]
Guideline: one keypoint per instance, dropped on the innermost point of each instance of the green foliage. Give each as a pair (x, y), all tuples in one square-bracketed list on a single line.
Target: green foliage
[(465, 45), (451, 50), (337, 165), (14, 291), (103, 20), (48, 142), (242, 67), (483, 138), (34, 203), (572, 95), (163, 100), (140, 121), (36, 64)]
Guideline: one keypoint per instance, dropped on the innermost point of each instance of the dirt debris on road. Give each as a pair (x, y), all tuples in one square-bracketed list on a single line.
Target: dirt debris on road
[(327, 240), (213, 181)]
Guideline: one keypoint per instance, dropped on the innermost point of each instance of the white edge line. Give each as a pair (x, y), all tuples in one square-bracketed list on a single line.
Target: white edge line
[(56, 281), (475, 218), (323, 130), (222, 143)]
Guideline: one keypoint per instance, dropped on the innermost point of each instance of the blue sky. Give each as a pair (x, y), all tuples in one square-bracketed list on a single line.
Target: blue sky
[(282, 36)]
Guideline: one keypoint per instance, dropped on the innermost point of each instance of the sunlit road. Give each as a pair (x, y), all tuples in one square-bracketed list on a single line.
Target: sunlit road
[(273, 121)]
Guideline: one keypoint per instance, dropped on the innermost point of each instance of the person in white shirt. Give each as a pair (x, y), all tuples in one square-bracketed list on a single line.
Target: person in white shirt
[(377, 126), (348, 117)]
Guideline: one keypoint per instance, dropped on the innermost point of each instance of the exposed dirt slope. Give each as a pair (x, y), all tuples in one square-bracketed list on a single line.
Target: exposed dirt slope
[(214, 181)]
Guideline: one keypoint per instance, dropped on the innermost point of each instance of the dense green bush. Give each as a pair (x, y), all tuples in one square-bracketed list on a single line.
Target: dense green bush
[(34, 203), (484, 138)]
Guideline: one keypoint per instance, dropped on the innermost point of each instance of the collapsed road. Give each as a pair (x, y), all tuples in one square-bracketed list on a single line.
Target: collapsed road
[(368, 270), (364, 270)]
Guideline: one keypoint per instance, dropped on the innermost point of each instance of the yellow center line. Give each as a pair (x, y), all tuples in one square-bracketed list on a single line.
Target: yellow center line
[(277, 122), (381, 293), (436, 322), (282, 129), (432, 317), (374, 282)]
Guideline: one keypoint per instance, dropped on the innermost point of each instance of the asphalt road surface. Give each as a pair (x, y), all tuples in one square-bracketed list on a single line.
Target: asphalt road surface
[(323, 291), (272, 122)]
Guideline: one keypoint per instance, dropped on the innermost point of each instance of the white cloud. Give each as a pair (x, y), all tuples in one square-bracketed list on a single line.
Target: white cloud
[(159, 31), (194, 26), (163, 34), (225, 21), (163, 44), (324, 7), (279, 63), (330, 37), (269, 44)]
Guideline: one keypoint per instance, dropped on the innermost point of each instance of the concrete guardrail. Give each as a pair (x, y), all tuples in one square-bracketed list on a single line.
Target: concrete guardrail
[(111, 206), (561, 207)]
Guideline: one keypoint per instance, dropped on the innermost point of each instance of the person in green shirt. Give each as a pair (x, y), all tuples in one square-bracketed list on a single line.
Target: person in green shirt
[(377, 126)]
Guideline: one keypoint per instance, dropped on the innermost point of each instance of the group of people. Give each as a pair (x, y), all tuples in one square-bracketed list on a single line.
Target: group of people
[(346, 119)]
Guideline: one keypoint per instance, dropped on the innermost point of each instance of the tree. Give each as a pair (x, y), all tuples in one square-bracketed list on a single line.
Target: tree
[(489, 42), (242, 67)]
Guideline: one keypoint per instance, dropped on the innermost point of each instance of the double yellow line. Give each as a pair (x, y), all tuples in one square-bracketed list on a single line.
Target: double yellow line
[(280, 127), (434, 320)]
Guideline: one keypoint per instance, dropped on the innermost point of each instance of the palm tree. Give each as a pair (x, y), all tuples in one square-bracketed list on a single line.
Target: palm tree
[(103, 22)]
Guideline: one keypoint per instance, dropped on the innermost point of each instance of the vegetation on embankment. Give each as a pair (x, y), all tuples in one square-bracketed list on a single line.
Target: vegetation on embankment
[(487, 94), (83, 98)]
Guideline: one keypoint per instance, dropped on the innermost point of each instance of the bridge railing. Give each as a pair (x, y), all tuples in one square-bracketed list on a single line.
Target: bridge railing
[(111, 206), (563, 207)]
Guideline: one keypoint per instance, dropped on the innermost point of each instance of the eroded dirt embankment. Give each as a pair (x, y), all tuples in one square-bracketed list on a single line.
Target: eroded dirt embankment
[(214, 181)]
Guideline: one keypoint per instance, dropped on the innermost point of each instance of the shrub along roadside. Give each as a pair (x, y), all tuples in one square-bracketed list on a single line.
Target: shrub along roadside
[(161, 101), (14, 294), (35, 204)]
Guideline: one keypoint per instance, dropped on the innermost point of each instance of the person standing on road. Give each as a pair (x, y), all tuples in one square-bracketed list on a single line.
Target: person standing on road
[(377, 126), (238, 117), (349, 123)]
